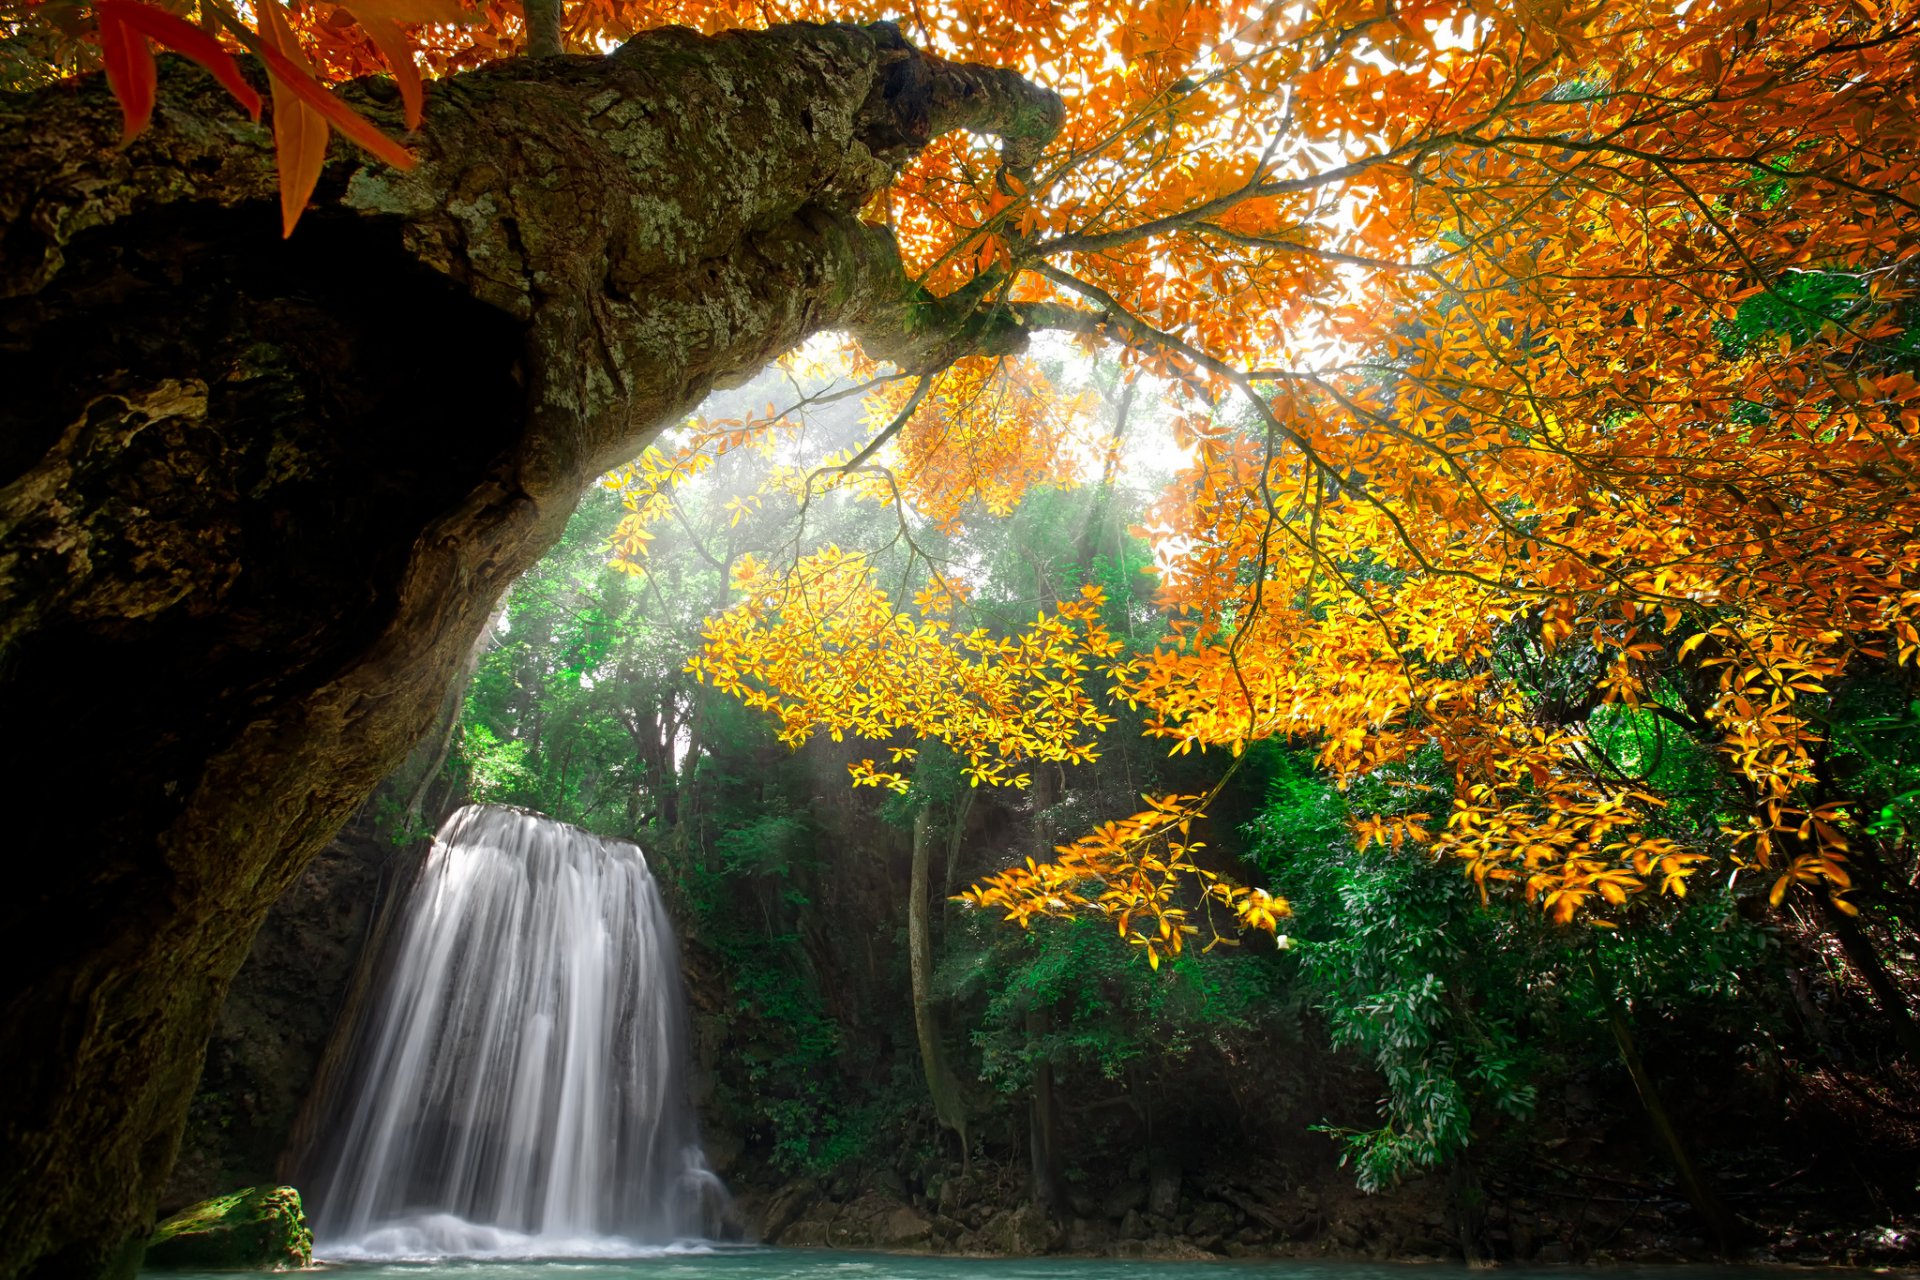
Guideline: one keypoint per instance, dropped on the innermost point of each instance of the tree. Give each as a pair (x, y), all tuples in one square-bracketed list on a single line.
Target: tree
[(245, 529), (1443, 286)]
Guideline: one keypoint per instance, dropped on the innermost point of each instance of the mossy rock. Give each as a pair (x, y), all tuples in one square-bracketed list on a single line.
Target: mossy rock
[(258, 1229)]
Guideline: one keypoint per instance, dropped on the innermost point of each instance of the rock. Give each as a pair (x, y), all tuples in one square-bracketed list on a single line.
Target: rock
[(806, 1233), (785, 1206), (1214, 1219), (1032, 1229), (1085, 1235), (1122, 1200), (257, 1229), (1163, 1188), (904, 1229), (955, 1193), (1021, 1231), (1133, 1226), (1553, 1253)]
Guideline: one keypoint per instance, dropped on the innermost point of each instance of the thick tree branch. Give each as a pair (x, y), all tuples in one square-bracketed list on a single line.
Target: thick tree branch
[(257, 496)]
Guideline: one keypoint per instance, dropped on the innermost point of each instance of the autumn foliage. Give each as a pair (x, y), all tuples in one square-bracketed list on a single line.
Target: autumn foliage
[(1527, 358)]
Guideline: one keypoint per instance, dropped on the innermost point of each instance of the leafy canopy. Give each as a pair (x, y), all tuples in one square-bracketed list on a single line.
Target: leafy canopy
[(1529, 358)]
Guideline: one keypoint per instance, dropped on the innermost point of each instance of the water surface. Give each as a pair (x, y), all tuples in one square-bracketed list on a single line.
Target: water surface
[(702, 1263)]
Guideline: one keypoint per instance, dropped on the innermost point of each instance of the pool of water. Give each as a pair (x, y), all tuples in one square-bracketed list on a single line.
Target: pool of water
[(725, 1263)]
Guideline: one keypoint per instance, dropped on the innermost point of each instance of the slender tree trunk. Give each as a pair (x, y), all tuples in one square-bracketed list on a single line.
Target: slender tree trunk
[(948, 1106), (257, 497), (956, 837), (1043, 1123), (1865, 959), (1699, 1191)]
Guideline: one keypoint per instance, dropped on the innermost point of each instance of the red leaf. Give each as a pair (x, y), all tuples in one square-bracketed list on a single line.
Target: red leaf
[(399, 55), (130, 70), (129, 24), (299, 131), (337, 113)]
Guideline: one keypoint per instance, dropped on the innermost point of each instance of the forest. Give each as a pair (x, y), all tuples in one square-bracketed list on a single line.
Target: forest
[(1196, 628)]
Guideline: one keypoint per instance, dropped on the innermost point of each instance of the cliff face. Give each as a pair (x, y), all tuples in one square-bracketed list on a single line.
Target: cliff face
[(280, 1012)]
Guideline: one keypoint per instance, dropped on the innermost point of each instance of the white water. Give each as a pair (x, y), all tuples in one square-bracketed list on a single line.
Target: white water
[(519, 1087)]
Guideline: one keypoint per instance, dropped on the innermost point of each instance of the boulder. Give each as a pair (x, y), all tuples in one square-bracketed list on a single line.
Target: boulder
[(957, 1193), (904, 1228), (1163, 1188), (1213, 1219), (1086, 1235), (1122, 1200), (785, 1207), (1018, 1232), (256, 1229)]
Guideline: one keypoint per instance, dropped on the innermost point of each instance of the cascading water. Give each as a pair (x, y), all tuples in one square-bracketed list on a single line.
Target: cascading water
[(519, 1086)]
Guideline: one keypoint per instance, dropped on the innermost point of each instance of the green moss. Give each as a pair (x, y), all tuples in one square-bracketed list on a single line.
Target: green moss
[(256, 1229)]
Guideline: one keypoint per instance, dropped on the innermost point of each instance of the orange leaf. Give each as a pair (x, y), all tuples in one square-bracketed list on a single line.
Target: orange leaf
[(299, 132), (399, 55), (126, 25), (420, 11), (291, 72), (130, 70)]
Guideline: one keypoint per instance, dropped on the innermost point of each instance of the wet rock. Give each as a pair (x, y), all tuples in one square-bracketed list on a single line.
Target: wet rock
[(256, 1229)]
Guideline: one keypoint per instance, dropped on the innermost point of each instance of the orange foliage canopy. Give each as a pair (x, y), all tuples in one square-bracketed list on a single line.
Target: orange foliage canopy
[(1448, 289)]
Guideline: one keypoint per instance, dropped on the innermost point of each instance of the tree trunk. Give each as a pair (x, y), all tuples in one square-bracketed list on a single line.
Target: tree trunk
[(1043, 1124), (1866, 961), (1699, 1191), (258, 496), (941, 1086)]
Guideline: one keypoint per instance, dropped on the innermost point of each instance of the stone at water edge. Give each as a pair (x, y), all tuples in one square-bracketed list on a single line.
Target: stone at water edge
[(255, 1229)]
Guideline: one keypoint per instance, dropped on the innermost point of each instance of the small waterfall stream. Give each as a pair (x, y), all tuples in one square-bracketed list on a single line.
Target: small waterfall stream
[(519, 1086)]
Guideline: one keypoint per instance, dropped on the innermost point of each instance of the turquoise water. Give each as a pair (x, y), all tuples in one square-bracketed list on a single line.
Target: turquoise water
[(810, 1264)]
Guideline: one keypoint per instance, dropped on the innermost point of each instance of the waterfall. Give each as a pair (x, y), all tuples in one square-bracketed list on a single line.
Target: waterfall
[(519, 1084)]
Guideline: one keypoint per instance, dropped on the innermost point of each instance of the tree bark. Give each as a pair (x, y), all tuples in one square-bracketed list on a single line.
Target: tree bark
[(1694, 1184), (1043, 1124), (948, 1107), (1866, 961), (257, 497)]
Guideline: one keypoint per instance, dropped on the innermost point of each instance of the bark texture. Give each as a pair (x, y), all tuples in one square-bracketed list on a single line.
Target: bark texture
[(257, 497)]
